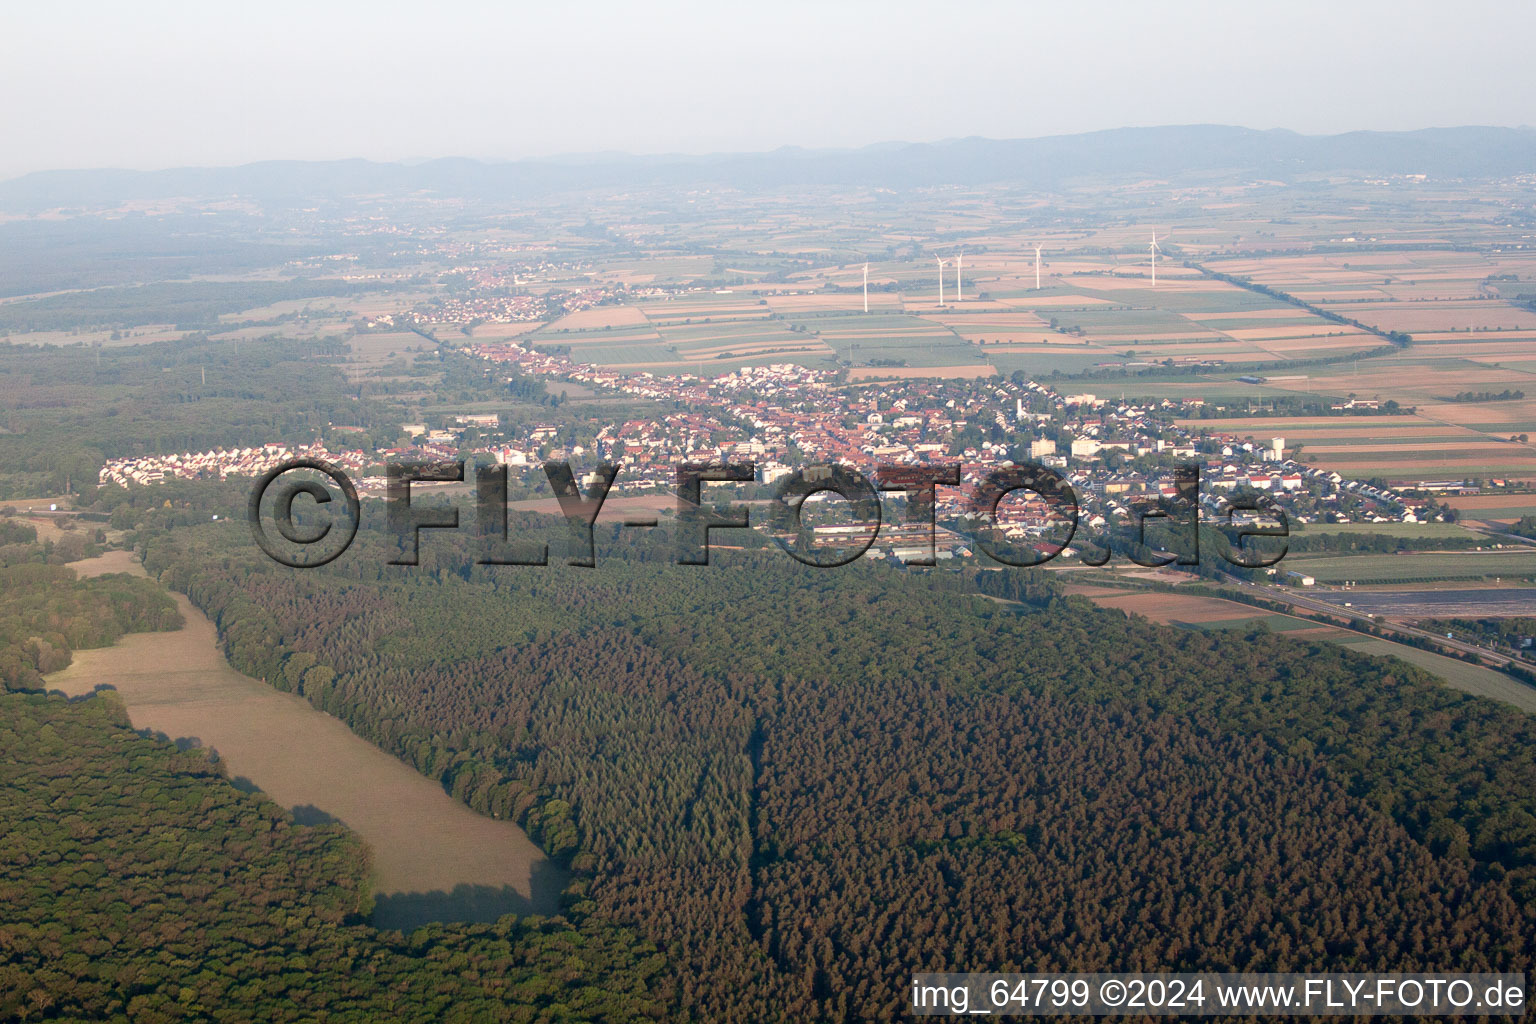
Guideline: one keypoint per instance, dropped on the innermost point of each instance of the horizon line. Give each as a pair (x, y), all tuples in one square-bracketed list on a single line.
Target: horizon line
[(597, 156)]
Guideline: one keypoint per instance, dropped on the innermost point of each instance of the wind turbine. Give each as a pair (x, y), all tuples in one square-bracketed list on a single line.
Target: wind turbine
[(1037, 268), (941, 279), (866, 287), (1153, 249), (959, 260)]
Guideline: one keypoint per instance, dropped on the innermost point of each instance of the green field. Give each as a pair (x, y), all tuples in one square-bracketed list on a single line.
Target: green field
[(835, 322), (1274, 622), (909, 340), (715, 337), (1131, 322), (567, 336), (1389, 529), (1464, 676), (720, 329), (1502, 512), (609, 355), (1216, 388), (675, 268), (1217, 298), (1217, 323), (1071, 359), (1395, 430)]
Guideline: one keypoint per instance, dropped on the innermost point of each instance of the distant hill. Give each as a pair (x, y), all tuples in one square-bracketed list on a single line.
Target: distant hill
[(1175, 152)]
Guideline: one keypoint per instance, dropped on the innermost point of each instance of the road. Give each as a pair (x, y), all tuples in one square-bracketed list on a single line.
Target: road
[(1317, 606), (1492, 530), (1416, 605)]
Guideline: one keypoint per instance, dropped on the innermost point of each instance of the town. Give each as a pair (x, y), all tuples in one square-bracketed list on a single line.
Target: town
[(1114, 454)]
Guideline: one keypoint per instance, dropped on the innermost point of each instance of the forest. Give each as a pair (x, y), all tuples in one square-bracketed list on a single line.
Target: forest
[(140, 884), (188, 305), (67, 408), (803, 785), (46, 614)]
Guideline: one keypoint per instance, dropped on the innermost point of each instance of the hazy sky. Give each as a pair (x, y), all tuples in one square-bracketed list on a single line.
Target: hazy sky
[(157, 84)]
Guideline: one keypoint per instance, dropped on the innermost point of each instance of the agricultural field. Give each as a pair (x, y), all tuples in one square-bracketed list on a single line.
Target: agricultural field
[(651, 271), (972, 371), (146, 335), (1090, 314), (1462, 675), (1508, 563), (1186, 316), (1221, 391), (1272, 621), (1199, 611), (1504, 508), (1192, 611), (784, 285), (1189, 609), (1469, 338), (730, 339), (876, 340), (1044, 360), (1439, 439), (1418, 531), (1427, 275), (1208, 613), (601, 318), (422, 841), (375, 352)]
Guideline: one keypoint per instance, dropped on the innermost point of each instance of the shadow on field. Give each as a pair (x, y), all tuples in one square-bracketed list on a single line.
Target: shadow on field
[(309, 814), (406, 910)]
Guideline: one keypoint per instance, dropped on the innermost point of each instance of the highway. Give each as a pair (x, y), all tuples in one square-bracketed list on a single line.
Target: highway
[(1305, 603)]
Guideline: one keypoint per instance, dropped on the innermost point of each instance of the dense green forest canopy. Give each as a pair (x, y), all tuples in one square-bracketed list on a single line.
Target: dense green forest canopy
[(67, 409), (140, 884), (186, 305), (781, 789), (803, 785), (45, 254), (18, 542), (46, 614)]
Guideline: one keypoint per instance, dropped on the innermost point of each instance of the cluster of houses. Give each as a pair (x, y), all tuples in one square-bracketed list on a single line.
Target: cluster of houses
[(221, 463), (783, 416), (499, 295), (490, 308)]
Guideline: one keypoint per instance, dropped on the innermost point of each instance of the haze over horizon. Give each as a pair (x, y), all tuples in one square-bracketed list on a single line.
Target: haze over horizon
[(169, 84)]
